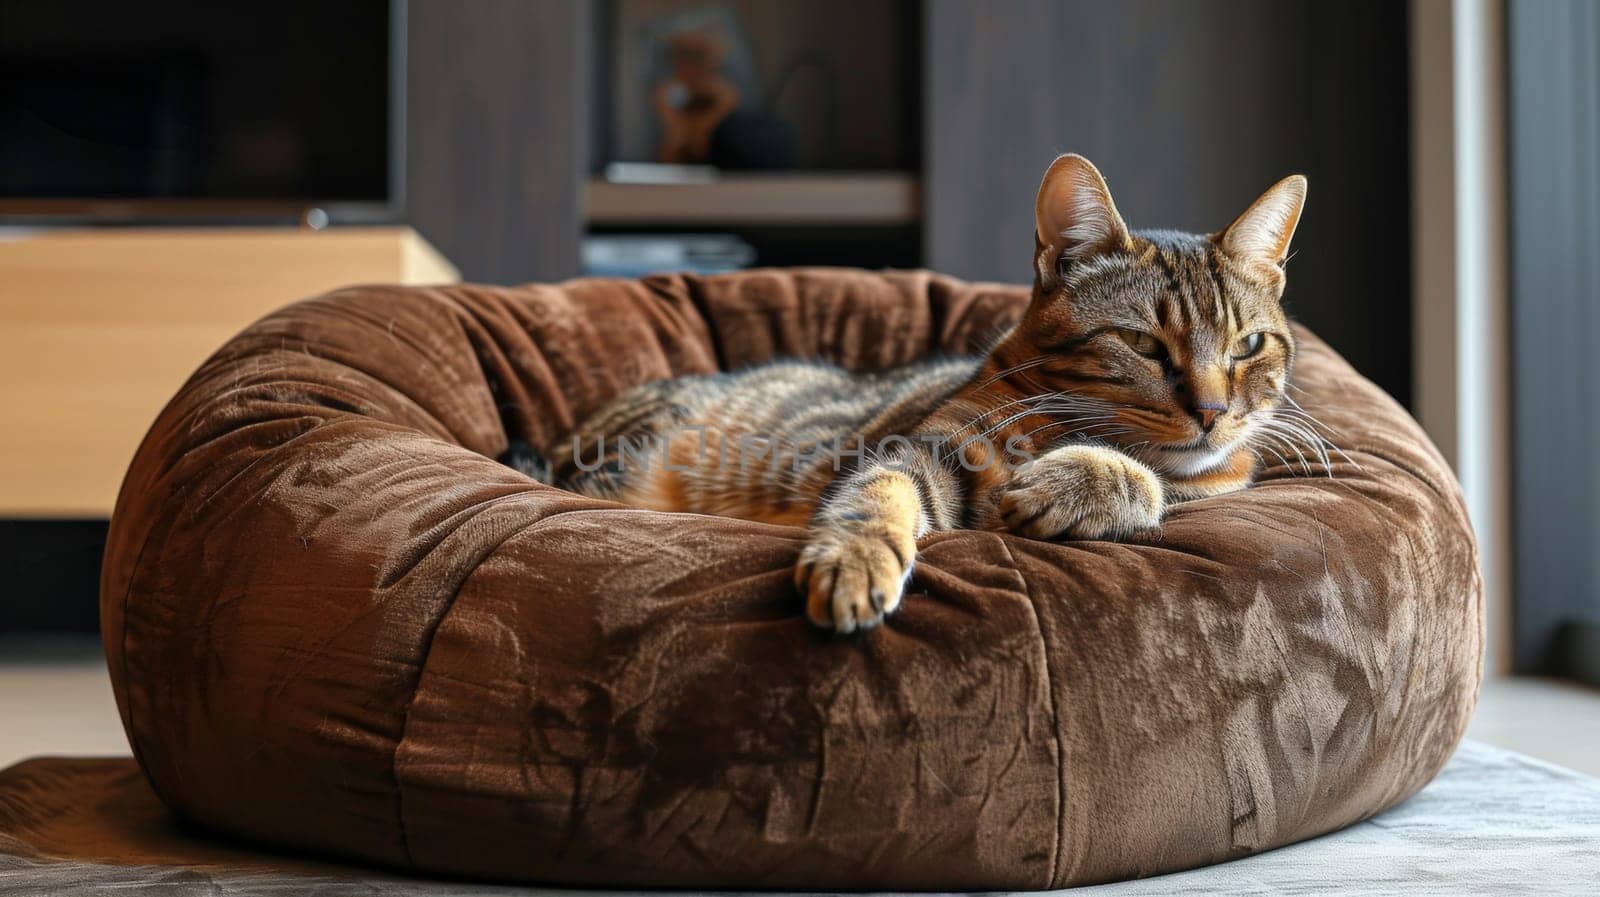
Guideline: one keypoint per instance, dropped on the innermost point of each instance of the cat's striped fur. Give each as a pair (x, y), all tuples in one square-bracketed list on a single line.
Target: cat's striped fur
[(1145, 370)]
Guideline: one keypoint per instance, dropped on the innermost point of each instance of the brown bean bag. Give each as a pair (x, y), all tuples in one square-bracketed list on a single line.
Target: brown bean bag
[(335, 623)]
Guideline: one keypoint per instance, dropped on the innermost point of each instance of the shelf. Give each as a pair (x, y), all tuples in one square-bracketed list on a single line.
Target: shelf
[(761, 199)]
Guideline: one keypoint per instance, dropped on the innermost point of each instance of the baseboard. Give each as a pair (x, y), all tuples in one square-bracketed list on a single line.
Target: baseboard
[(51, 571), (1576, 653)]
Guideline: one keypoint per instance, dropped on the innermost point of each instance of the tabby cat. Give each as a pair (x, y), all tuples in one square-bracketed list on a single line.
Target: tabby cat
[(1147, 369)]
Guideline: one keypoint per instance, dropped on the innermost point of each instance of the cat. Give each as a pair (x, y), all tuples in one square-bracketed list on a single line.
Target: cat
[(1146, 370)]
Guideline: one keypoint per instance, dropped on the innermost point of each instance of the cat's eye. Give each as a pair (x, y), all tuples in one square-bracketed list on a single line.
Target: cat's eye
[(1249, 345), (1143, 343)]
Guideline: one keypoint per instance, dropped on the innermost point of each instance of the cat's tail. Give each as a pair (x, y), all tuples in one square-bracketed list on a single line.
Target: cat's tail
[(521, 456)]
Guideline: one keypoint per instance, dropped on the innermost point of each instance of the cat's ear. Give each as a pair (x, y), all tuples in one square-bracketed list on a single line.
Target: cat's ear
[(1262, 234), (1075, 217)]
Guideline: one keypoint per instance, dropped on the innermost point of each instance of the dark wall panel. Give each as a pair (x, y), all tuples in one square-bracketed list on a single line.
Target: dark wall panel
[(497, 133), (1190, 110), (1553, 63)]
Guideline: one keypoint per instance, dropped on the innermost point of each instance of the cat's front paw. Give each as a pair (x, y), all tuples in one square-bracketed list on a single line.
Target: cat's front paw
[(852, 580), (1084, 491)]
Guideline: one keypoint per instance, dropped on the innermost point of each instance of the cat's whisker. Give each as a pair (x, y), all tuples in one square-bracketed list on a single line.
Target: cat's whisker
[(1279, 455), (1297, 408), (1060, 423), (1290, 441), (1291, 436), (981, 416), (1060, 402), (1103, 432), (1273, 435), (1268, 447), (1092, 431), (1316, 441), (1018, 368), (1295, 412), (1311, 423), (1299, 411), (1011, 419), (1312, 438)]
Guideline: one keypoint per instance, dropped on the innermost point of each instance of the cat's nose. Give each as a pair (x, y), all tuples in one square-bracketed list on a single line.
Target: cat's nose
[(1207, 394)]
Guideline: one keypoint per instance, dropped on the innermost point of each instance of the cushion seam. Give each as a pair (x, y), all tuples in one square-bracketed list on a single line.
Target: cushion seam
[(427, 654), (131, 725), (1055, 716)]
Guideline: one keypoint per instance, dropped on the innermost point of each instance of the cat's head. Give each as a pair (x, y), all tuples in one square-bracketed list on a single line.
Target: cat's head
[(1181, 337)]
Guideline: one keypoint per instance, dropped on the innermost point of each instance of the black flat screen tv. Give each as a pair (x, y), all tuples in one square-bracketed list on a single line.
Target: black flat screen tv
[(114, 108)]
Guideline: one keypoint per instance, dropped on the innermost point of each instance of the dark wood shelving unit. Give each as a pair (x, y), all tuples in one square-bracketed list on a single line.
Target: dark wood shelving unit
[(510, 126), (823, 198), (838, 74)]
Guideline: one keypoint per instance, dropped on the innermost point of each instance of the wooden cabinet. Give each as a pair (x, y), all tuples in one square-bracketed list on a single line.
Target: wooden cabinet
[(98, 329)]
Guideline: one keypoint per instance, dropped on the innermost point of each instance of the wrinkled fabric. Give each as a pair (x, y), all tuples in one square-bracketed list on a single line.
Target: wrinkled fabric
[(334, 623)]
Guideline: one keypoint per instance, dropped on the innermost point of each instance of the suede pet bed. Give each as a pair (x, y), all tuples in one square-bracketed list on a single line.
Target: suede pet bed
[(336, 624)]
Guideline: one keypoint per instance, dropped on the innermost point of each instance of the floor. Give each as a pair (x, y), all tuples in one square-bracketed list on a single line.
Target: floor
[(55, 699), (1555, 721)]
